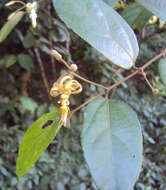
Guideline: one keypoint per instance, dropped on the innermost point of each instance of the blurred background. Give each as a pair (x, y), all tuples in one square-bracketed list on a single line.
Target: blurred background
[(27, 72)]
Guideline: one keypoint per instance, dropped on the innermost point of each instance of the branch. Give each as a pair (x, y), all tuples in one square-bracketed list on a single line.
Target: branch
[(88, 81), (140, 69), (52, 58), (42, 69), (59, 58)]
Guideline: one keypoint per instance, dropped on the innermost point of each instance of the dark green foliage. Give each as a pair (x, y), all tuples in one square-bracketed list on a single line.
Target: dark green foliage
[(157, 7), (62, 166), (136, 15)]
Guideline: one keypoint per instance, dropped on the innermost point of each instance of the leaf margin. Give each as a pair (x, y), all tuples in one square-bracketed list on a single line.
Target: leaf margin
[(141, 151)]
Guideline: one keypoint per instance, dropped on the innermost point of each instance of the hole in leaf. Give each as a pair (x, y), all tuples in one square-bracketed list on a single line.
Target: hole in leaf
[(49, 122)]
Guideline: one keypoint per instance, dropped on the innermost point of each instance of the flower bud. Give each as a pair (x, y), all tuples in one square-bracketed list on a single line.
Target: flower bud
[(73, 67), (155, 91), (9, 3), (57, 55)]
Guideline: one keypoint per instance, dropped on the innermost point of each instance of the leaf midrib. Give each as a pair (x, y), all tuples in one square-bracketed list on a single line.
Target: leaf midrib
[(109, 126), (42, 134), (105, 31), (129, 122), (116, 40)]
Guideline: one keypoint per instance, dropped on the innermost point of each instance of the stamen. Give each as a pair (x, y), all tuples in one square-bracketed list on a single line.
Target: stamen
[(65, 78)]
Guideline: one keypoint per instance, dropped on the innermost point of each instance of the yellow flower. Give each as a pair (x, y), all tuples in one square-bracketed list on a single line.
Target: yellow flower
[(31, 9), (65, 86), (153, 20)]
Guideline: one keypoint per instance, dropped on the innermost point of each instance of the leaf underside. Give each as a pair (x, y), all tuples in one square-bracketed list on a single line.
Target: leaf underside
[(162, 70), (102, 27), (111, 3), (112, 144)]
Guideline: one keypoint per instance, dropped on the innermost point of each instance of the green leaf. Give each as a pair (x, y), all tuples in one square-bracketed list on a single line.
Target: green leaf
[(162, 70), (36, 140), (42, 109), (112, 144), (111, 3), (25, 61), (10, 24), (10, 60), (136, 15), (102, 27), (157, 7), (29, 41), (28, 104)]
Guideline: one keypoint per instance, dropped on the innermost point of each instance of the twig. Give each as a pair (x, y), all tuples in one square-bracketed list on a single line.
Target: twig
[(162, 54), (42, 69), (60, 59), (85, 103), (88, 81), (121, 81), (139, 69), (52, 58), (64, 62), (113, 92)]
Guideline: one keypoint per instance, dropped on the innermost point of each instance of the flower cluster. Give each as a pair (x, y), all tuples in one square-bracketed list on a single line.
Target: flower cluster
[(65, 86), (31, 9)]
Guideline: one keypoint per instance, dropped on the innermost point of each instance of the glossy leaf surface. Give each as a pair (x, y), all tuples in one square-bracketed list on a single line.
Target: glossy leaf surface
[(136, 15), (112, 144), (37, 138), (102, 27)]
